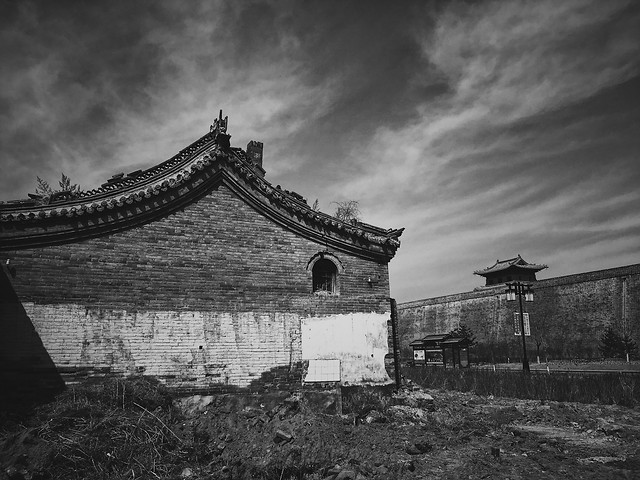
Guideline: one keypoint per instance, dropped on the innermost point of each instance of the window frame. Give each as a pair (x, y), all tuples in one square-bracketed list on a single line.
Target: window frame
[(337, 273)]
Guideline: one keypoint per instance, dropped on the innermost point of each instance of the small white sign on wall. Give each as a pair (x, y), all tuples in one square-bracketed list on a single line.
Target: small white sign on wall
[(323, 371)]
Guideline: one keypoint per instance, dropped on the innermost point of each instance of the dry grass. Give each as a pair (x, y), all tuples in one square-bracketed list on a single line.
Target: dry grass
[(129, 429), (609, 388), (117, 429), (364, 401)]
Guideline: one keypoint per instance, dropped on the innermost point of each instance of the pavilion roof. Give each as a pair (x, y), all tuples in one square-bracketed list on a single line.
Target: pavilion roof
[(126, 201), (517, 262)]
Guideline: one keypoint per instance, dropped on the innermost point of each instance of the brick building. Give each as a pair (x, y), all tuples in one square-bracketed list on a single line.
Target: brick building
[(567, 317), (198, 272)]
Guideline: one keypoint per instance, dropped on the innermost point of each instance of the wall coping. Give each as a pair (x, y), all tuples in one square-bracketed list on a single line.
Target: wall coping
[(482, 292)]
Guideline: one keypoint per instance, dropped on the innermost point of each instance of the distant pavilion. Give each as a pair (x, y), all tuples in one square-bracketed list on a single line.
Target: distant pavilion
[(512, 270)]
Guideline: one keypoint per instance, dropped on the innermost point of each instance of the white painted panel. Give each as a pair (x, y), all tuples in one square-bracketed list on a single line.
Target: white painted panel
[(323, 371), (358, 340)]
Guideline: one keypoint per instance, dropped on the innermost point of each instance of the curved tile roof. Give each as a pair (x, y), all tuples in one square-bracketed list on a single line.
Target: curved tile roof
[(501, 265), (127, 200)]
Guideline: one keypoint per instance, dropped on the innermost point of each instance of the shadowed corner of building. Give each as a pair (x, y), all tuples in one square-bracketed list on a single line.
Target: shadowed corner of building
[(279, 378), (282, 381), (28, 375)]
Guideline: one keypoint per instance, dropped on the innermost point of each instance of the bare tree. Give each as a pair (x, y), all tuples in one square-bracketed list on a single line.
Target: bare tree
[(539, 339), (347, 211)]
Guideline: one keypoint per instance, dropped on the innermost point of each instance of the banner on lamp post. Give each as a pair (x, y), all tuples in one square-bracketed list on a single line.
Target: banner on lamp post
[(516, 324)]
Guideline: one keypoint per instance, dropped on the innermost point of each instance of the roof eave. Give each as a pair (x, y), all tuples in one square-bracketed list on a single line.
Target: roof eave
[(178, 182)]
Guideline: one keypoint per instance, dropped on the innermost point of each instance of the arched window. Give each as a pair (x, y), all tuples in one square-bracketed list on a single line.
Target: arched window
[(324, 276), (324, 271)]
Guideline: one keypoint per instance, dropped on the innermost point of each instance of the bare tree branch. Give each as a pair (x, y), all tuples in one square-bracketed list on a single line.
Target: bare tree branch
[(347, 211)]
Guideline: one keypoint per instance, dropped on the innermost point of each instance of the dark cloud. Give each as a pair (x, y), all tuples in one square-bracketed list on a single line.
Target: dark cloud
[(71, 69), (485, 128)]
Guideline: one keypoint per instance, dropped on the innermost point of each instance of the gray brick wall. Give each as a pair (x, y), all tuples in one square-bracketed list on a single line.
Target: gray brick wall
[(211, 296), (568, 316)]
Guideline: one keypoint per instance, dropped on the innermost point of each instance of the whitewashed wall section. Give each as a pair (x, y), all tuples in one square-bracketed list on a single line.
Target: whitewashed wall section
[(190, 348), (181, 348), (358, 340)]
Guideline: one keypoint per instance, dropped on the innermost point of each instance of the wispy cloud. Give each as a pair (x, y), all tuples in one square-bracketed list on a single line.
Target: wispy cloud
[(485, 128), (519, 146)]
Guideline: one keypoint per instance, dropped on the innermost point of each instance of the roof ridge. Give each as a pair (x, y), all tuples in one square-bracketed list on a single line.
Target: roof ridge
[(284, 197), (203, 155)]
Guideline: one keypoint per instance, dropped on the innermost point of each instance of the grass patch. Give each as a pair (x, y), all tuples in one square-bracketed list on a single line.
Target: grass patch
[(130, 429), (115, 429), (362, 400), (608, 388)]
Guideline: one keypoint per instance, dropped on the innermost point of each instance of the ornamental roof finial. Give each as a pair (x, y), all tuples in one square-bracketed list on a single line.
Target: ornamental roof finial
[(219, 130), (219, 124)]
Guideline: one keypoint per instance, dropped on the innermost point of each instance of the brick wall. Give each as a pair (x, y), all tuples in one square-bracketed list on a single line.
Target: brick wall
[(213, 295), (568, 316)]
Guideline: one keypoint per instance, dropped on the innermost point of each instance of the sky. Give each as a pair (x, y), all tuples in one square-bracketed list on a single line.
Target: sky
[(486, 129)]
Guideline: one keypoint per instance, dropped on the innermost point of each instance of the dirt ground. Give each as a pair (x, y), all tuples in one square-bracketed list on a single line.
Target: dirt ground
[(418, 434)]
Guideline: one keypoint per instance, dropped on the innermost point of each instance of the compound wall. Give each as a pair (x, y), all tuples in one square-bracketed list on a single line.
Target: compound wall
[(568, 315)]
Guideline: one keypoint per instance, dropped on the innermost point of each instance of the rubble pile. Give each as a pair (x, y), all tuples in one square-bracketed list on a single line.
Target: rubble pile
[(411, 434)]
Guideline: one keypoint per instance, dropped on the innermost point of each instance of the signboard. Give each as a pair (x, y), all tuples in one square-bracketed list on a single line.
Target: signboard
[(433, 357), (323, 371), (418, 355), (464, 357)]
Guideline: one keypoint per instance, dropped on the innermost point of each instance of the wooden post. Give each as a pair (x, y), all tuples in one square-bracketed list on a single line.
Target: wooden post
[(394, 337)]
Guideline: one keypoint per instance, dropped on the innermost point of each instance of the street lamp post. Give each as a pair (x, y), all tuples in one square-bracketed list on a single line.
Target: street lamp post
[(521, 290)]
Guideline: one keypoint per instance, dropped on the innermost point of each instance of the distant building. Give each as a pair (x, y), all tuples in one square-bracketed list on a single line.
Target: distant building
[(567, 318), (514, 269), (198, 272)]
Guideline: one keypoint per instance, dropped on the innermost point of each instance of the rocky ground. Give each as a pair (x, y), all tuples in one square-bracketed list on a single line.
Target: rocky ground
[(417, 434)]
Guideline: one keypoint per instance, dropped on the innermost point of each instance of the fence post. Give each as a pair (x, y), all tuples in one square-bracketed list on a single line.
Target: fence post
[(394, 337)]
